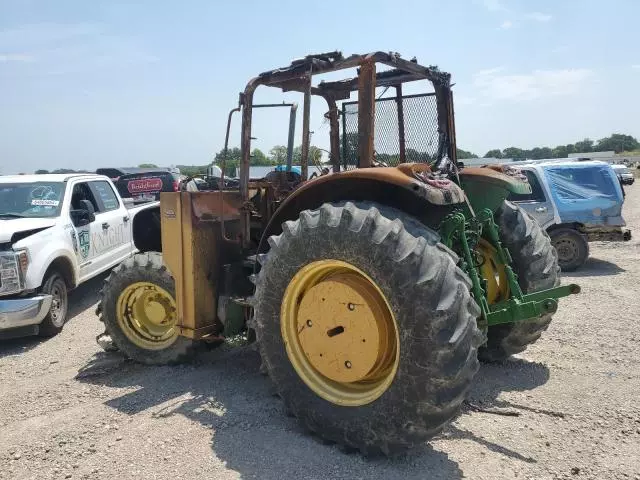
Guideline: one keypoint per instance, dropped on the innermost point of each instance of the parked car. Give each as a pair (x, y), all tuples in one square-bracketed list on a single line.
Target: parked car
[(625, 175), (56, 232), (576, 202), (114, 173), (147, 185)]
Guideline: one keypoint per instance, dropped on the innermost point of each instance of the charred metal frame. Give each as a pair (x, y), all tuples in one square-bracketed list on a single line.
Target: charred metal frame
[(292, 130), (297, 77)]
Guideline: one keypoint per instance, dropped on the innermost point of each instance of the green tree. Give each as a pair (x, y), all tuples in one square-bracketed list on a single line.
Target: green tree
[(559, 152), (315, 155), (232, 160), (350, 141), (514, 153), (617, 142), (495, 153), (41, 172), (278, 155), (192, 170), (258, 158), (539, 153), (585, 145), (388, 159), (147, 165), (461, 154)]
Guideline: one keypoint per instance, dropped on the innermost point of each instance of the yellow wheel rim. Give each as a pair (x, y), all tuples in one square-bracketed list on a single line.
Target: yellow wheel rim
[(340, 333), (493, 272), (146, 314)]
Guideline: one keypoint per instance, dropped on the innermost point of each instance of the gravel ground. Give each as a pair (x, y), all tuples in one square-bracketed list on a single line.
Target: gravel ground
[(69, 410)]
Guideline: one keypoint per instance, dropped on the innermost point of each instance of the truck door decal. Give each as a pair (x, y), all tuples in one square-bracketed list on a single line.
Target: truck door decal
[(84, 240), (105, 240)]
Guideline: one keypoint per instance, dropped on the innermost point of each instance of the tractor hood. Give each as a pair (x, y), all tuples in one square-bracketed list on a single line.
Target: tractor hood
[(15, 229)]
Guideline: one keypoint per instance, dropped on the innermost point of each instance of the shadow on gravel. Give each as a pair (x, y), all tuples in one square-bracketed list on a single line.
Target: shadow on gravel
[(513, 375), (224, 391), (20, 340), (85, 296), (595, 267)]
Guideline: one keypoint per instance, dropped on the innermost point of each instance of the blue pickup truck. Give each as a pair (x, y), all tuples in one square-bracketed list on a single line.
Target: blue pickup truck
[(576, 203)]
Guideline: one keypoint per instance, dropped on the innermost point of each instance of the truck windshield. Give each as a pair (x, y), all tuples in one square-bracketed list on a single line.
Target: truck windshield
[(31, 200)]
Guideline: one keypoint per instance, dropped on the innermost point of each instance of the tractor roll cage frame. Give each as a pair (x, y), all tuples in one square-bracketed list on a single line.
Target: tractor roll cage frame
[(297, 77)]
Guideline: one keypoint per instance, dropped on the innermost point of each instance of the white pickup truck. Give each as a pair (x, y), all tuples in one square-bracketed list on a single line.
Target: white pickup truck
[(56, 232)]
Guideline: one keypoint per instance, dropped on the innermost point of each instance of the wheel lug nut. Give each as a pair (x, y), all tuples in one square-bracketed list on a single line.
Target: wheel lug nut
[(309, 323), (351, 306), (347, 364)]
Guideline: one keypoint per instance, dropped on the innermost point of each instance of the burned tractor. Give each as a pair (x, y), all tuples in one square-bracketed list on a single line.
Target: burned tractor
[(372, 289)]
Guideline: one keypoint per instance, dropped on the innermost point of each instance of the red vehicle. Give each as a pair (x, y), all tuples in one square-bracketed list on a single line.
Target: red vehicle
[(145, 186)]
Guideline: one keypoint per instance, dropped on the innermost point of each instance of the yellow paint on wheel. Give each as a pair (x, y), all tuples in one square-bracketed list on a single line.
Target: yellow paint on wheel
[(340, 333), (147, 315), (493, 272)]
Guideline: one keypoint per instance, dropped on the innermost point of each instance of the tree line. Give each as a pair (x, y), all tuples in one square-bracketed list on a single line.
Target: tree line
[(617, 142), (277, 155)]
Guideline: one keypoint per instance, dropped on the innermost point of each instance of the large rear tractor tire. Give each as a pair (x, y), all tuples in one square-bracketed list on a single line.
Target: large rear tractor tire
[(535, 261), (138, 309), (368, 331)]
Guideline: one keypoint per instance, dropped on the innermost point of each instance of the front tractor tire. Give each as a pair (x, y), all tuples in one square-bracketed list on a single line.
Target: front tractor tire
[(366, 326), (138, 309), (535, 262)]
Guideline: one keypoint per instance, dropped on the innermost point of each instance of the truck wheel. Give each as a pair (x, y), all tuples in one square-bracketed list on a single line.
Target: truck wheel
[(368, 331), (53, 323), (139, 311), (572, 248), (536, 263)]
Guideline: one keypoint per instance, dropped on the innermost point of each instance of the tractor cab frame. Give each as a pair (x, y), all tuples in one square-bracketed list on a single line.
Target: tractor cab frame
[(458, 204)]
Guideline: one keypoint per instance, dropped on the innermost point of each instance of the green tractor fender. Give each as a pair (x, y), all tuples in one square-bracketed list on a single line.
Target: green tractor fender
[(489, 187)]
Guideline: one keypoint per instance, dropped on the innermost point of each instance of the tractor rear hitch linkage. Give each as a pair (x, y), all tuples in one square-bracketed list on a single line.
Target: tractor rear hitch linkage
[(520, 306)]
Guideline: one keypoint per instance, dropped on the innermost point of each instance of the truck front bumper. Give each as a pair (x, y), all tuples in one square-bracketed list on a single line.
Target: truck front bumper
[(22, 312)]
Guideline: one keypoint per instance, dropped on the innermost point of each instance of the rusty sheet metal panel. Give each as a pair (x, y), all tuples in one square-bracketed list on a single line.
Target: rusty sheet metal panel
[(415, 177), (190, 247), (171, 218), (213, 206), (366, 112)]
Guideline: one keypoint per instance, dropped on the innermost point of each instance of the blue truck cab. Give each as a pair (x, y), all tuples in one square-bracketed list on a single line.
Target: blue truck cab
[(576, 203)]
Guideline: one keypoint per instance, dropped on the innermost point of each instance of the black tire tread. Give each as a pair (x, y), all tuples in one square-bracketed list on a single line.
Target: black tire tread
[(47, 328), (582, 244), (535, 261), (430, 389), (147, 267)]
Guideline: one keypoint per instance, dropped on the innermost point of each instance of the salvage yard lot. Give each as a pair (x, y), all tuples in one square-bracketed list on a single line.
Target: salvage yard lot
[(569, 406)]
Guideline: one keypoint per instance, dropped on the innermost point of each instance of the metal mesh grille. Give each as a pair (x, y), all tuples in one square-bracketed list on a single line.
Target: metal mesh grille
[(420, 114)]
